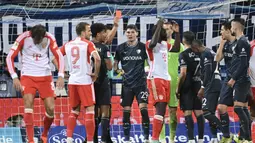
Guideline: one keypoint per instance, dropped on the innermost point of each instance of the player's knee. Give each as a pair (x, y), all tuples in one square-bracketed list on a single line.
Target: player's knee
[(161, 108), (187, 112), (222, 108), (142, 105), (105, 111), (127, 108), (207, 113), (172, 110), (90, 108), (236, 103), (50, 110), (28, 101)]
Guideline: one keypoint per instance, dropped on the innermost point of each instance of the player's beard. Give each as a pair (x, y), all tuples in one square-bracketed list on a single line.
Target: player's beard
[(233, 33)]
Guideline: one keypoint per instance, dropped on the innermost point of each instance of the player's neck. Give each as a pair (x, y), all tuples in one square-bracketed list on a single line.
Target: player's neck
[(132, 43), (95, 40), (187, 46), (239, 35), (232, 38)]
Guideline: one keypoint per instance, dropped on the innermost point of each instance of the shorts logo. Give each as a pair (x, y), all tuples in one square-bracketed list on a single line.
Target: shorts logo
[(138, 51), (61, 137), (160, 97)]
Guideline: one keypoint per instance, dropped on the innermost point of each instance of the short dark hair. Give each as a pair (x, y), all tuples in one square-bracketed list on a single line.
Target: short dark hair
[(132, 26), (38, 32), (81, 27), (189, 37), (239, 20), (227, 25), (197, 42), (108, 27), (97, 28)]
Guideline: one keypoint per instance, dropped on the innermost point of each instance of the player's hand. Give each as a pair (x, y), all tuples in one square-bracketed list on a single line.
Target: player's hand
[(177, 93), (222, 41), (175, 27), (93, 76), (200, 93), (60, 82), (116, 21), (17, 85), (231, 83)]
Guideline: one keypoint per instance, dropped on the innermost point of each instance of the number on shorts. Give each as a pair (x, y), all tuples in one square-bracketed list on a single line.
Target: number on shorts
[(204, 102), (144, 95), (75, 54)]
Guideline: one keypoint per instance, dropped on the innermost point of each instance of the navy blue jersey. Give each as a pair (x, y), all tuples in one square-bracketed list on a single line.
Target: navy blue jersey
[(132, 61), (228, 53), (240, 61), (208, 66), (104, 53), (191, 60)]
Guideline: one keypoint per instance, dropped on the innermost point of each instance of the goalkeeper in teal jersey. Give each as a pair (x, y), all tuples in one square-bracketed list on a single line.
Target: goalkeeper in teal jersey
[(173, 71)]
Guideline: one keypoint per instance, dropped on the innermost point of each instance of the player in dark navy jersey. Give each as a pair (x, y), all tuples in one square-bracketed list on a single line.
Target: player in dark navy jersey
[(102, 84), (225, 51), (189, 84), (240, 81), (132, 55), (210, 87)]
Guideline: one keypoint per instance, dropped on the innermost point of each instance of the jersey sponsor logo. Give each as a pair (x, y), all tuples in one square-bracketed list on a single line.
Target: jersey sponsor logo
[(228, 55), (61, 137), (132, 58), (76, 66)]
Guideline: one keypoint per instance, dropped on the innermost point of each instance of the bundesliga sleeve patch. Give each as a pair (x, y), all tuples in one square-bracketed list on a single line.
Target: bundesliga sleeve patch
[(15, 46)]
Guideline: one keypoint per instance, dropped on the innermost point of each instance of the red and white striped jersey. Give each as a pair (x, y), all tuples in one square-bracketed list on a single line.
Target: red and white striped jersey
[(158, 60), (79, 52), (35, 60), (252, 63)]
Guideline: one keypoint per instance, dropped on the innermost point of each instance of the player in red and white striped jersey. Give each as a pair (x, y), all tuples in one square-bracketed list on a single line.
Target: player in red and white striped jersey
[(80, 86), (252, 76), (158, 77), (34, 46)]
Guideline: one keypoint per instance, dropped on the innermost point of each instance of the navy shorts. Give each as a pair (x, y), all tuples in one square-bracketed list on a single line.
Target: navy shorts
[(241, 91), (226, 94), (127, 96), (189, 99), (103, 92)]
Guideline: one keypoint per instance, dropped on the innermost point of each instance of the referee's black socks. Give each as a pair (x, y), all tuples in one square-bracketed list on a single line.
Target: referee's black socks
[(201, 126), (105, 126)]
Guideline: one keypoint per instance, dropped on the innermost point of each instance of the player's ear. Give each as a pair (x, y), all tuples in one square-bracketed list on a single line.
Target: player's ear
[(137, 33)]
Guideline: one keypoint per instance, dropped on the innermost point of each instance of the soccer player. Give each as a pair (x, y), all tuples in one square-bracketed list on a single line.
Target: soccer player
[(252, 76), (189, 83), (210, 87), (239, 78), (172, 27), (80, 85), (35, 46), (158, 76), (102, 84), (132, 55), (225, 51)]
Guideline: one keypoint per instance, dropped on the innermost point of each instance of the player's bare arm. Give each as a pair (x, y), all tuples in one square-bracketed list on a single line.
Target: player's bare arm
[(156, 36), (97, 59), (108, 63), (219, 54), (177, 43), (181, 80), (112, 33)]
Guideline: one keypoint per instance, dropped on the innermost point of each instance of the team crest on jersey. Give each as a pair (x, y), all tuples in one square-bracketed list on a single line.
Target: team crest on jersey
[(138, 51)]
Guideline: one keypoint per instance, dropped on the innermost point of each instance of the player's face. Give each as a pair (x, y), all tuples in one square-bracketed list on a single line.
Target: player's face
[(87, 32), (131, 35), (234, 27), (169, 30), (224, 33), (102, 36)]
